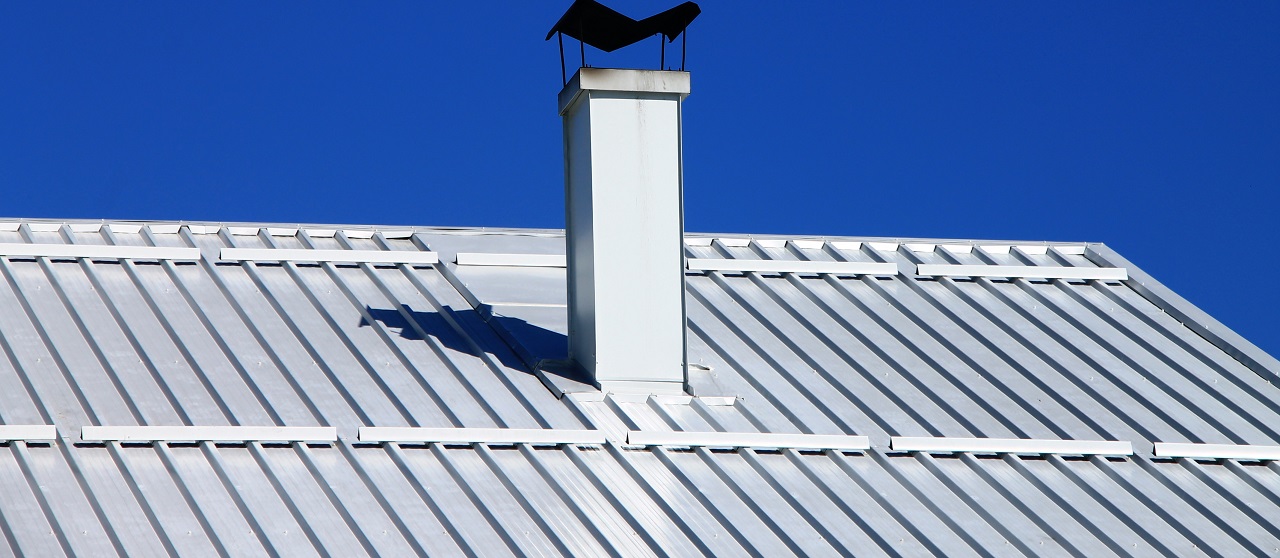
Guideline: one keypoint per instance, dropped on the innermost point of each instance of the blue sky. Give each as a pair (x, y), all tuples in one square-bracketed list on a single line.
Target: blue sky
[(1153, 127)]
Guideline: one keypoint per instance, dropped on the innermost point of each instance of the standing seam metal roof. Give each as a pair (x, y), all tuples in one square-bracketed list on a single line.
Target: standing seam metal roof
[(108, 341)]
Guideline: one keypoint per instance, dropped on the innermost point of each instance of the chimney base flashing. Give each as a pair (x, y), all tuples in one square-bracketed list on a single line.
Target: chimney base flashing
[(642, 387)]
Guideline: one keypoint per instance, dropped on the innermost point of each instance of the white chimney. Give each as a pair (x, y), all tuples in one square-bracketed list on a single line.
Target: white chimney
[(624, 213)]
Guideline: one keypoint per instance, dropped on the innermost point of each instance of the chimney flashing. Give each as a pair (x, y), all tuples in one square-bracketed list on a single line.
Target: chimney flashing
[(642, 387)]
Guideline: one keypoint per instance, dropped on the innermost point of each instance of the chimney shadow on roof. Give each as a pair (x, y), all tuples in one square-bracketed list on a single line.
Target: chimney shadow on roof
[(517, 344)]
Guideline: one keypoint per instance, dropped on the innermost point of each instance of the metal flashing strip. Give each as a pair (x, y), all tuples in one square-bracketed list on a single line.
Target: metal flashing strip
[(331, 256), (98, 251), (535, 436), (1023, 271), (1009, 445), (511, 260), (749, 440), (27, 432), (210, 433), (793, 266), (1217, 451)]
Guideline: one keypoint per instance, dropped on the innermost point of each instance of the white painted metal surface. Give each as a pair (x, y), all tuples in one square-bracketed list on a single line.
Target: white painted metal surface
[(625, 226), (1007, 445), (480, 435), (28, 432), (511, 260), (793, 266), (210, 433), (1023, 271), (610, 80), (748, 440), (95, 251), (333, 256), (642, 387), (1216, 451)]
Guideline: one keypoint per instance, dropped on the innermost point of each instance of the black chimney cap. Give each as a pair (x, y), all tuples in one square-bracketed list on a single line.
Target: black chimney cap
[(600, 26)]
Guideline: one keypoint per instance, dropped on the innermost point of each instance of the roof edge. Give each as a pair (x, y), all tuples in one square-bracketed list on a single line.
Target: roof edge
[(1197, 320)]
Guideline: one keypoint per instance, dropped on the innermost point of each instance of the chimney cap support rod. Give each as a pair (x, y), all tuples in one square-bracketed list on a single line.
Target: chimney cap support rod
[(563, 77)]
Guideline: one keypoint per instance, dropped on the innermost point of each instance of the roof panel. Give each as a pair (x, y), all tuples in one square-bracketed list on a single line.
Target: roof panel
[(209, 343)]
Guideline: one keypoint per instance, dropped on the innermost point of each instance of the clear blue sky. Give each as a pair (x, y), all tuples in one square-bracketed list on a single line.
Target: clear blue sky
[(1153, 127)]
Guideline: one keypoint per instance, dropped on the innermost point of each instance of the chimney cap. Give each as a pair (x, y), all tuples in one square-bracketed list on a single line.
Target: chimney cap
[(602, 27)]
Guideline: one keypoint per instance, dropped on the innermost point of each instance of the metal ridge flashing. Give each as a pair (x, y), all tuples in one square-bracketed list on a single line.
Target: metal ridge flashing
[(1009, 445), (1217, 451), (98, 251), (536, 436), (792, 266), (331, 256), (748, 440), (209, 433), (1023, 271), (27, 432)]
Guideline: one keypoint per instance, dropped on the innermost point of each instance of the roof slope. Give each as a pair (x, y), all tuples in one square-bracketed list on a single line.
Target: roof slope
[(205, 339)]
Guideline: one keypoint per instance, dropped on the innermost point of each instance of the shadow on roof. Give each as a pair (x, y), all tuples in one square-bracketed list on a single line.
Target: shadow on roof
[(518, 344)]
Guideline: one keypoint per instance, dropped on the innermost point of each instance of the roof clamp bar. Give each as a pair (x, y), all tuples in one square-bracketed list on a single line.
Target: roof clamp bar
[(752, 440), (408, 257), (209, 434), (98, 251), (28, 433), (1217, 451), (1009, 445), (1024, 272), (792, 266), (503, 436)]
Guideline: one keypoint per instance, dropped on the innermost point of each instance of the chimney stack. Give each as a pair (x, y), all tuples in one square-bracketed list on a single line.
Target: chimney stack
[(624, 213)]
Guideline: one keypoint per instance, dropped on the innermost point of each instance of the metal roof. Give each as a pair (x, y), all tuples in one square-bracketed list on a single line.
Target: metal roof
[(1014, 385)]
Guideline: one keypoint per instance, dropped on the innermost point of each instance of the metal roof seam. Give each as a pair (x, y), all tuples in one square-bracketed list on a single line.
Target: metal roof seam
[(1231, 527), (682, 520), (749, 539), (1013, 398), (392, 395), (796, 385), (1193, 317), (1021, 371), (1038, 360), (452, 529), (167, 325), (389, 393), (352, 405), (1061, 534), (931, 504), (1101, 337), (1127, 379), (1021, 335), (490, 360), (975, 504), (226, 295), (48, 349), (1194, 374)]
